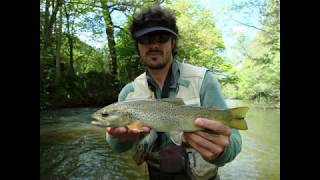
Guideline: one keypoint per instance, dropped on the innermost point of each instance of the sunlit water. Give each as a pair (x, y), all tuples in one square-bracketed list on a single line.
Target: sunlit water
[(260, 155), (71, 148)]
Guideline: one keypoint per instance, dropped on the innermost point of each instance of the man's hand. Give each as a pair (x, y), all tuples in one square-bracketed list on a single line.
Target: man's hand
[(124, 132), (210, 146)]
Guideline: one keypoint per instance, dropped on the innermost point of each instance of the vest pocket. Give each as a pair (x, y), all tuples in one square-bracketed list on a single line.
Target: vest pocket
[(200, 168)]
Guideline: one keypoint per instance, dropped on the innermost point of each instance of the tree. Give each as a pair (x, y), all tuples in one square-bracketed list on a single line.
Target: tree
[(49, 22), (129, 65), (69, 24), (126, 7), (260, 72), (200, 41), (80, 65), (58, 48), (110, 36)]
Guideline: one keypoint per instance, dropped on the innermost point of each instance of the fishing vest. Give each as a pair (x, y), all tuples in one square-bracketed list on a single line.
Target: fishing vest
[(189, 85)]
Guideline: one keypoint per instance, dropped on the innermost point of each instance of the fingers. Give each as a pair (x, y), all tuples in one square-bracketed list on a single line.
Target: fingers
[(146, 129), (206, 148), (210, 146), (143, 130), (213, 125), (220, 140), (124, 132), (116, 130)]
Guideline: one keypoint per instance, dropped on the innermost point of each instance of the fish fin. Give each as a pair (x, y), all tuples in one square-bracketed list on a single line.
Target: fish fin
[(176, 101), (239, 112), (239, 124), (234, 117), (135, 125), (176, 137), (238, 118)]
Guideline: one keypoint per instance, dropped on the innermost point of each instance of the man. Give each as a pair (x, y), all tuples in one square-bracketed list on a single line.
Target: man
[(155, 34)]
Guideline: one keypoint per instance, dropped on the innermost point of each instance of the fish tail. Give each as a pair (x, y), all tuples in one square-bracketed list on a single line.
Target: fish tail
[(234, 117), (238, 118), (239, 112), (238, 124)]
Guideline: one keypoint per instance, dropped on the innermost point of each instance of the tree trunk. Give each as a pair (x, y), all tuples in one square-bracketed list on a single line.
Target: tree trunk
[(58, 48), (50, 23), (46, 19), (70, 42), (110, 37)]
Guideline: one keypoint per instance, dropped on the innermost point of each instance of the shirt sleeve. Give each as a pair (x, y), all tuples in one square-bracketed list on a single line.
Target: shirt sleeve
[(121, 145), (212, 96)]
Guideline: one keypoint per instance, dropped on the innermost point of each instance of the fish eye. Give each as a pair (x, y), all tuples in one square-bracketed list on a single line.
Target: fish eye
[(104, 114), (108, 113)]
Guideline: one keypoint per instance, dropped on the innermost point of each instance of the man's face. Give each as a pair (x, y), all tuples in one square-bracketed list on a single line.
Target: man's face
[(155, 49)]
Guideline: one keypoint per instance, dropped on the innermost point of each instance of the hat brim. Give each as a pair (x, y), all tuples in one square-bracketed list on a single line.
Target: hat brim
[(153, 29)]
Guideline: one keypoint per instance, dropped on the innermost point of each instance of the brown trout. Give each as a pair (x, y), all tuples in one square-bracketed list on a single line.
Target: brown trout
[(168, 115)]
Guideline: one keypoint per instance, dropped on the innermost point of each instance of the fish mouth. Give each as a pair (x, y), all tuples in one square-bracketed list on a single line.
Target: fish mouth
[(96, 122), (99, 123)]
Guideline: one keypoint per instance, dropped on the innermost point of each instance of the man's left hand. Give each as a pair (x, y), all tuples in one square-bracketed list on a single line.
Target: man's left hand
[(210, 146)]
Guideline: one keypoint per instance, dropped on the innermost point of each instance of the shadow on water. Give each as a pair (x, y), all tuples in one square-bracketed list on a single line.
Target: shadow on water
[(71, 148)]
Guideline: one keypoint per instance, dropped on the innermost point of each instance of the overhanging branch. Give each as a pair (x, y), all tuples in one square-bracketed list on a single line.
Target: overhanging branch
[(87, 4), (248, 25), (115, 26)]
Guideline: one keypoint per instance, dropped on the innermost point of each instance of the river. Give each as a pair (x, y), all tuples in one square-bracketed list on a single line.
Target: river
[(71, 148)]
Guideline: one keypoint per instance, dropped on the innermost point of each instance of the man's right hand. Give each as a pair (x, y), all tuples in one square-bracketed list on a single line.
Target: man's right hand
[(124, 132)]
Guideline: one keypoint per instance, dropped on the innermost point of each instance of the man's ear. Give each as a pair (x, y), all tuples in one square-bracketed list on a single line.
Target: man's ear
[(137, 48), (173, 42), (173, 46)]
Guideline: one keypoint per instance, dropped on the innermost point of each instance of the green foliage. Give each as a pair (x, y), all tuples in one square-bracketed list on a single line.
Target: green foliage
[(260, 70), (88, 59), (200, 43), (92, 84), (129, 65), (195, 46), (93, 88), (260, 82)]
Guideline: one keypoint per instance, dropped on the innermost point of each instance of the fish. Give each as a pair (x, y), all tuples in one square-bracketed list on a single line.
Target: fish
[(169, 115)]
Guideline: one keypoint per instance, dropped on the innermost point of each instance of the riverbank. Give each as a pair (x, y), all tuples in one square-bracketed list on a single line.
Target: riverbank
[(258, 104)]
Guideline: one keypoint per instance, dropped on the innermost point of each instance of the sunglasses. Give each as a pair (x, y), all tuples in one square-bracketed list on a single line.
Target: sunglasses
[(150, 38)]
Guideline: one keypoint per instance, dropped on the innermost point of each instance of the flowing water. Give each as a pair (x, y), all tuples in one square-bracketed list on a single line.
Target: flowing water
[(260, 155), (71, 148)]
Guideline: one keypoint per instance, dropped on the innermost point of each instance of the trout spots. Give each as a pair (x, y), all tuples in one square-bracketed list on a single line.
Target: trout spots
[(166, 116)]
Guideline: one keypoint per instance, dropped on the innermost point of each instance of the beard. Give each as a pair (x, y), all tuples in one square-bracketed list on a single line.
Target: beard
[(164, 60), (157, 66)]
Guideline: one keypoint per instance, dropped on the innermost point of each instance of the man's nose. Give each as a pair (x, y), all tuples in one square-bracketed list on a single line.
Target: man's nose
[(154, 44)]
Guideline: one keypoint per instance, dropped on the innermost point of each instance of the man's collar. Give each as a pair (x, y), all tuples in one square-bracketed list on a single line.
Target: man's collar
[(175, 72)]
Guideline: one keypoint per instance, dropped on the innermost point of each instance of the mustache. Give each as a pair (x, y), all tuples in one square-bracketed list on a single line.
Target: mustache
[(154, 51)]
